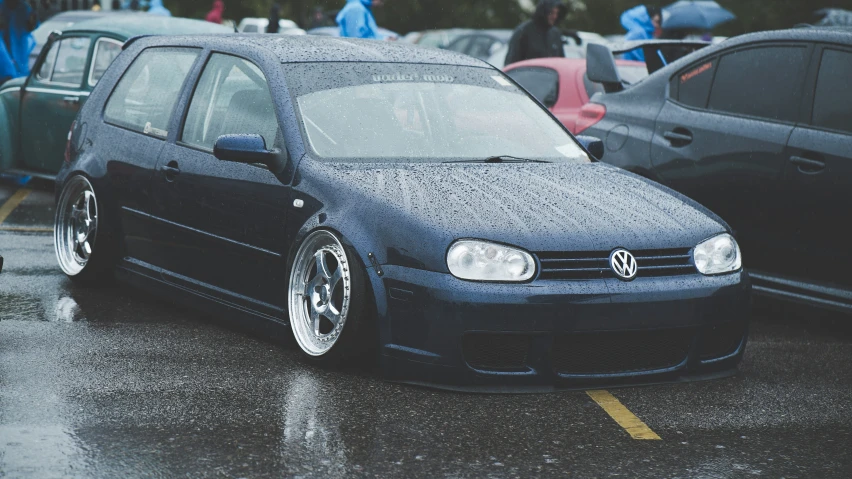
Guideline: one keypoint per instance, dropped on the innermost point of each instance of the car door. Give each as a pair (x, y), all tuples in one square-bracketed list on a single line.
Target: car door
[(137, 117), (721, 136), (819, 175), (50, 102), (226, 221)]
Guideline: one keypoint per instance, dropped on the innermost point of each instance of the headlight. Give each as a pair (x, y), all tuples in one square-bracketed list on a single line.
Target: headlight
[(483, 261), (718, 255)]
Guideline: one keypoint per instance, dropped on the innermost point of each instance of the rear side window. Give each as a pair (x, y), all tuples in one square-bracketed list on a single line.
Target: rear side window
[(542, 83), (833, 100), (762, 82), (232, 97), (693, 84), (106, 50), (145, 96)]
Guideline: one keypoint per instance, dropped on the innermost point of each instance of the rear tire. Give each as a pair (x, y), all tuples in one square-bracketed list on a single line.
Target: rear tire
[(328, 304), (84, 246)]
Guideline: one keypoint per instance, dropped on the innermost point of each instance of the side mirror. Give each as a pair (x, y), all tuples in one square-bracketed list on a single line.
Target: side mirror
[(600, 67), (592, 145), (248, 149)]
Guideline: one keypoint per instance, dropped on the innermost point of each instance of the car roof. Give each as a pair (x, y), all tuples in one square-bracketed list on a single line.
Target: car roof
[(564, 65), (130, 26), (322, 49), (839, 35)]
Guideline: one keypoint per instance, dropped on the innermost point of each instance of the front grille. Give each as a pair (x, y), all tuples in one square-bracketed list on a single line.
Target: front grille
[(721, 340), (595, 264), (620, 352), (496, 352)]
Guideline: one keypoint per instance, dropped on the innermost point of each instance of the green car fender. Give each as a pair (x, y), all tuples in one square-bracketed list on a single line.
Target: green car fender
[(10, 115)]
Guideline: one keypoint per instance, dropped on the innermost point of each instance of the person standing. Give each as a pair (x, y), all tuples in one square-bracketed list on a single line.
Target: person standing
[(274, 18), (539, 37), (356, 20), (157, 8), (215, 14), (642, 23), (17, 20)]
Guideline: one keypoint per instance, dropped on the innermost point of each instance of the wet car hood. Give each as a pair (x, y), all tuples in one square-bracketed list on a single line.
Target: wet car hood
[(418, 210)]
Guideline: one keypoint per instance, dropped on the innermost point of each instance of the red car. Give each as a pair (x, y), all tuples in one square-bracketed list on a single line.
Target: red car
[(561, 85)]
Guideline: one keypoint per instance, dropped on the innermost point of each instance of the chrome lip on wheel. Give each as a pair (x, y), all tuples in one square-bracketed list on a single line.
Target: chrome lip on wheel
[(319, 293), (76, 226)]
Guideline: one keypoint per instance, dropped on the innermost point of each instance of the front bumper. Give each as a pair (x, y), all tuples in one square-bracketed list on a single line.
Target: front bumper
[(442, 331)]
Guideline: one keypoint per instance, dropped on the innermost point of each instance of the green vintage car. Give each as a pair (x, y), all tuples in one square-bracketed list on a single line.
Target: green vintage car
[(36, 112)]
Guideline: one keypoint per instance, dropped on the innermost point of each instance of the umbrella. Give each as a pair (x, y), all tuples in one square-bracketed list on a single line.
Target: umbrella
[(834, 17), (695, 15)]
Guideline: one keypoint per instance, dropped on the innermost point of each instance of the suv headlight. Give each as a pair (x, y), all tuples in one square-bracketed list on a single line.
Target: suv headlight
[(483, 261), (718, 255)]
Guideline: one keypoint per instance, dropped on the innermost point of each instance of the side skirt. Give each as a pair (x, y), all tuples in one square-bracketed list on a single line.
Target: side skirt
[(149, 279)]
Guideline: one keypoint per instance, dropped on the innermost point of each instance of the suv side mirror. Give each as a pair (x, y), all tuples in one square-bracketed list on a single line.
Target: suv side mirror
[(600, 67), (248, 149), (593, 145)]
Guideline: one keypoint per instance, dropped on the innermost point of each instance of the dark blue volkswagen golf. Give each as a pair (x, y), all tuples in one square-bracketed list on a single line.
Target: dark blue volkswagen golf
[(380, 198)]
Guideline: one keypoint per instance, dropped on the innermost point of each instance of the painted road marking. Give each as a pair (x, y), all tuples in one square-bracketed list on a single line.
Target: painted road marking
[(626, 419), (25, 229), (13, 203)]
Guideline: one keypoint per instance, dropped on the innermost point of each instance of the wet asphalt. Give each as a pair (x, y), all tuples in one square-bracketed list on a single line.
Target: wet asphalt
[(114, 383)]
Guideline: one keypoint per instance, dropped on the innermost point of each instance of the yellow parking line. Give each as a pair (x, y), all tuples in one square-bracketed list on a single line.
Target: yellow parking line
[(25, 229), (13, 203), (626, 419)]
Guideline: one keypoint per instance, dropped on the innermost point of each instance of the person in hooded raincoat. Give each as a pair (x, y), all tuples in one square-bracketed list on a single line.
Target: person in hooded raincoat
[(157, 8), (17, 20), (538, 37), (356, 20), (215, 14), (641, 23)]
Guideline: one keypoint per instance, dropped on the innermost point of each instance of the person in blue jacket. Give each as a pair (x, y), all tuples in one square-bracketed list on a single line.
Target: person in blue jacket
[(356, 20), (157, 8), (17, 20), (641, 23)]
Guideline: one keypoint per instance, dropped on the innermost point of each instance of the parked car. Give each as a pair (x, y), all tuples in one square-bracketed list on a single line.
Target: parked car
[(258, 25), (439, 38), (757, 128), (405, 201), (480, 44), (62, 21), (335, 32), (562, 86), (36, 111)]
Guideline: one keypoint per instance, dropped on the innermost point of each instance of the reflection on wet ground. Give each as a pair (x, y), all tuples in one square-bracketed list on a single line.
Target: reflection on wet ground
[(113, 383)]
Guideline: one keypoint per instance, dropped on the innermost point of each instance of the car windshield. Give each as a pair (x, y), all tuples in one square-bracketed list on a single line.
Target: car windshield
[(423, 113)]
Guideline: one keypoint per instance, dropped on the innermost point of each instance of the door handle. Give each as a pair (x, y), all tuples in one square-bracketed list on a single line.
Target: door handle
[(73, 100), (678, 137), (170, 171), (807, 165)]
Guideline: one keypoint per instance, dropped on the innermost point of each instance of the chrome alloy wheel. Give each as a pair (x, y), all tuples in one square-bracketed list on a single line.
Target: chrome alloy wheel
[(319, 293), (76, 225)]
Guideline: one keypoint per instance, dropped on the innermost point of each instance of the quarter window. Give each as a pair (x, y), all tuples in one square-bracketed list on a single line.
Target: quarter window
[(232, 97), (46, 68), (762, 82), (145, 96), (542, 83), (106, 50), (833, 101), (693, 84)]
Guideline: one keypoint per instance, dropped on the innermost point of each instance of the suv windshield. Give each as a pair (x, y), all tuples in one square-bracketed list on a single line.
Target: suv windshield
[(425, 113)]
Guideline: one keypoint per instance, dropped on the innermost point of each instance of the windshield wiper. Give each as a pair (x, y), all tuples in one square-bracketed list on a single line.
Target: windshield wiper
[(500, 159)]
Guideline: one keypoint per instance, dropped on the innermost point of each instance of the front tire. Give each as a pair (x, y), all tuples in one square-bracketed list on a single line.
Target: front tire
[(327, 300), (81, 241)]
